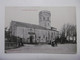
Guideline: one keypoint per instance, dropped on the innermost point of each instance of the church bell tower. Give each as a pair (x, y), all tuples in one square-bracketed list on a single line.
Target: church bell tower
[(44, 19)]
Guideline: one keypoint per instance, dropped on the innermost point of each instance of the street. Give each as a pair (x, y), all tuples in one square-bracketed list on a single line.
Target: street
[(45, 48)]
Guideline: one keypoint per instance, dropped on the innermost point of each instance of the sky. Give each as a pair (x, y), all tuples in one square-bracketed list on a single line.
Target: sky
[(59, 15)]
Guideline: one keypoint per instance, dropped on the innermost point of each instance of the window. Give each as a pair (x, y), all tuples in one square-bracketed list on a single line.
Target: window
[(43, 18), (47, 18), (43, 36), (48, 24)]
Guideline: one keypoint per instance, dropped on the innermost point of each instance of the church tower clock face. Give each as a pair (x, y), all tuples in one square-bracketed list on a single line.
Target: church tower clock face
[(44, 19)]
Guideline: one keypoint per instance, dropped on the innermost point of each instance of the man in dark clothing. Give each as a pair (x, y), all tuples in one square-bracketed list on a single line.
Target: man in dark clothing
[(56, 42)]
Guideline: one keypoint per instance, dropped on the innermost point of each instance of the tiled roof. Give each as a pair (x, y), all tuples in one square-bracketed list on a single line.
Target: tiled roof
[(28, 25)]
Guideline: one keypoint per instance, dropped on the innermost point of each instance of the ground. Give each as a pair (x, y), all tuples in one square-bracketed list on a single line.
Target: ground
[(45, 48)]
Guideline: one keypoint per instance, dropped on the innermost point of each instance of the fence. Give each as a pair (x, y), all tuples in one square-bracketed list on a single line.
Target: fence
[(10, 45)]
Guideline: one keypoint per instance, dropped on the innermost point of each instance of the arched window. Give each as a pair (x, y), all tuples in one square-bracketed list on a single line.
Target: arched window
[(43, 36), (47, 18), (43, 18), (48, 24)]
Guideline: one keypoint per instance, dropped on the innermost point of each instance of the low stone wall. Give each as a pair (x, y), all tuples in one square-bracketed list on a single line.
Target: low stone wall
[(11, 45)]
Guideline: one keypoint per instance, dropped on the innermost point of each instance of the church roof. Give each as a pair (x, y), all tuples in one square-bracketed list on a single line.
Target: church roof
[(28, 25)]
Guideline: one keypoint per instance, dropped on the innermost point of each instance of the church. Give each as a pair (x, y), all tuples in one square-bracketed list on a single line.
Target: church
[(32, 33)]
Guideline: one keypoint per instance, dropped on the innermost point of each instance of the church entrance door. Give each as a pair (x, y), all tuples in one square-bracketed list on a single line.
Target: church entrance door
[(32, 37)]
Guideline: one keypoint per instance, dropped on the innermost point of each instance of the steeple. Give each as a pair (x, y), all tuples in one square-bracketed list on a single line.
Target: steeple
[(44, 19)]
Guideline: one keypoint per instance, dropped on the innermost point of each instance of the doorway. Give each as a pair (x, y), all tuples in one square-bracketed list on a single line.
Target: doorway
[(31, 39)]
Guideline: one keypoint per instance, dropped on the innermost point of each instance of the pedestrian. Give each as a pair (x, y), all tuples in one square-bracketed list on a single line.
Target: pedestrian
[(53, 43), (56, 42)]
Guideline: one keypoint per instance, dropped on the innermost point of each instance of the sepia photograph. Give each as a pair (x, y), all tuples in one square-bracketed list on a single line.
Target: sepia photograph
[(50, 30)]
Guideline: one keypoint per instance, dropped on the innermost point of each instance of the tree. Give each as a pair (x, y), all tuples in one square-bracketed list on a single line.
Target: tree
[(7, 34), (69, 31)]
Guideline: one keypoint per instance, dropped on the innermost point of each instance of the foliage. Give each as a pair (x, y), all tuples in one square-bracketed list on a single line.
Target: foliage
[(68, 31)]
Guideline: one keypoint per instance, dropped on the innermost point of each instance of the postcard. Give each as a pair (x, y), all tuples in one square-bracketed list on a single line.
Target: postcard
[(40, 30)]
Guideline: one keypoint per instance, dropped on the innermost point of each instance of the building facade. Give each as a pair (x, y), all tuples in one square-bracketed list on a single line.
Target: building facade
[(31, 33)]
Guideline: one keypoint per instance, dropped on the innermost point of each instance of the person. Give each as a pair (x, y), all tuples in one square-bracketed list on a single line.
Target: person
[(56, 42), (21, 41), (53, 43)]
